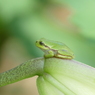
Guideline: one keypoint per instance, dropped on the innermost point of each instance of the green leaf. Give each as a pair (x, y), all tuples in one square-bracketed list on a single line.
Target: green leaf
[(68, 77)]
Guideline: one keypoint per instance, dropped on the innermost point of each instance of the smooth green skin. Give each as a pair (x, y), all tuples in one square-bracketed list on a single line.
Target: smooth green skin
[(54, 49)]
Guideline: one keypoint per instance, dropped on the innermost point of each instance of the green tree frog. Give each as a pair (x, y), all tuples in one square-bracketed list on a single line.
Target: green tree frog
[(54, 49)]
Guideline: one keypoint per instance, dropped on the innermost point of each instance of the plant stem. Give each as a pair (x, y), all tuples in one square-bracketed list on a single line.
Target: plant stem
[(23, 71)]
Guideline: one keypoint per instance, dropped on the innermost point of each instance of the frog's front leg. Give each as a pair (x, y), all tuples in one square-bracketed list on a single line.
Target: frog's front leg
[(49, 54)]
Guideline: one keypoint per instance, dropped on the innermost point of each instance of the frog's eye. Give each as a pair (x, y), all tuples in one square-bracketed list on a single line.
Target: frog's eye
[(41, 43)]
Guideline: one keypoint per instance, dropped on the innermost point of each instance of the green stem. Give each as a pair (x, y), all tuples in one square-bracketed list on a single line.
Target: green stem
[(25, 70)]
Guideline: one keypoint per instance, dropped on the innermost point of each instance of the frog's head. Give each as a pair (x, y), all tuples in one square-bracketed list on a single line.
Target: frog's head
[(42, 44)]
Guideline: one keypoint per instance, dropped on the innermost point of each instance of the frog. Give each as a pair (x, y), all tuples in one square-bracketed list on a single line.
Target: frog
[(54, 49)]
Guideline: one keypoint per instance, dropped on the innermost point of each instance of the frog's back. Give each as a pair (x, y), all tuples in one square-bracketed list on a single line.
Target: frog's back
[(59, 46)]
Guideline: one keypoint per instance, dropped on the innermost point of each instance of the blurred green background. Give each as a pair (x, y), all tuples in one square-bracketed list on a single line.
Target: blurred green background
[(22, 22)]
